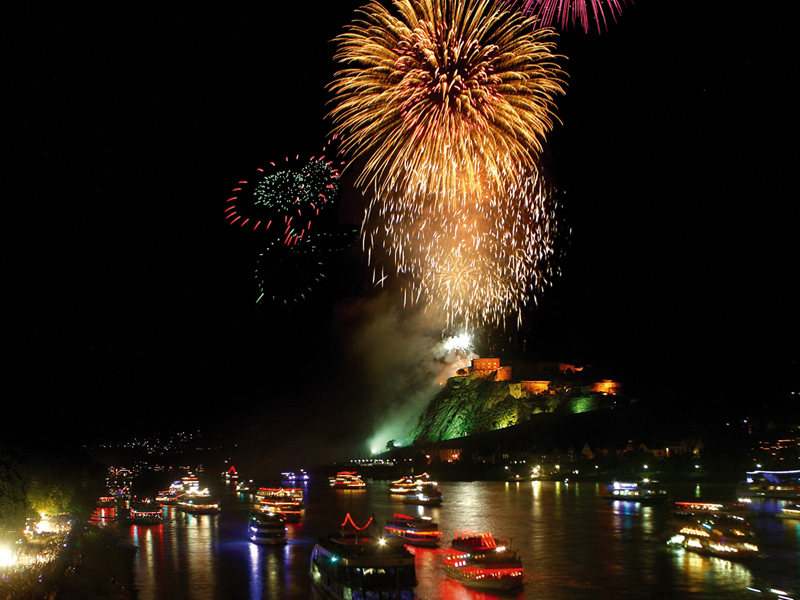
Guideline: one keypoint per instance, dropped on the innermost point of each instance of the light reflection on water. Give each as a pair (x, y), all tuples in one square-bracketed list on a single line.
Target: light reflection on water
[(573, 544)]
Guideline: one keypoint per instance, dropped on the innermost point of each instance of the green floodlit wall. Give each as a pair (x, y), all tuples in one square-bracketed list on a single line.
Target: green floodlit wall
[(470, 405)]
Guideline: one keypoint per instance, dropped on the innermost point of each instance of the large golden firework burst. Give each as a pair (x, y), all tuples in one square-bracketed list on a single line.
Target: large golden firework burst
[(443, 95)]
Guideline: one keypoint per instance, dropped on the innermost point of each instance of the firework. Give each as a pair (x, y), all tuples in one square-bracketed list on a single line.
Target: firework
[(284, 199), (286, 274), (444, 97), (470, 266), (571, 12), (286, 209)]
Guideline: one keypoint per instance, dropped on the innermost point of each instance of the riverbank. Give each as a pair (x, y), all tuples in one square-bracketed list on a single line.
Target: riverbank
[(101, 568)]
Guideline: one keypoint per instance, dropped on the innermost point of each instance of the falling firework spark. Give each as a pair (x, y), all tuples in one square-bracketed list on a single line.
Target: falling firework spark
[(470, 266), (443, 96), (571, 12)]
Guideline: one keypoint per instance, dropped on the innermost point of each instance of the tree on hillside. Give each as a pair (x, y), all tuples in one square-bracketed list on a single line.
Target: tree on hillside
[(13, 503)]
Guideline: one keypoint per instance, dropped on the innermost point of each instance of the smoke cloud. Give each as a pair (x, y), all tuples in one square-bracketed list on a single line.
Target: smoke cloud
[(401, 361)]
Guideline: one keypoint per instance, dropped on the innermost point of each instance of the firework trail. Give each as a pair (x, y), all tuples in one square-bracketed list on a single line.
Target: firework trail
[(443, 96), (570, 12)]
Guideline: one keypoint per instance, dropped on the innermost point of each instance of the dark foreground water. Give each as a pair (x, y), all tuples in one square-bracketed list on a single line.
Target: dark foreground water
[(573, 543)]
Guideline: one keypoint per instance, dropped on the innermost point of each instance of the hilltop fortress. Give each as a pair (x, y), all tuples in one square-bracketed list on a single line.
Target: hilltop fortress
[(484, 397)]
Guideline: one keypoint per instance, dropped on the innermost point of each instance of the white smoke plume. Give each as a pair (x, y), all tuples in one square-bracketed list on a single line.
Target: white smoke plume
[(401, 360)]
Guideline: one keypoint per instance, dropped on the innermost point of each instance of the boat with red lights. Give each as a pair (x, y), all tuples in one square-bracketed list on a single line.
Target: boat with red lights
[(287, 502), (146, 513), (424, 495), (416, 531), (347, 480), (716, 529), (478, 561), (355, 563)]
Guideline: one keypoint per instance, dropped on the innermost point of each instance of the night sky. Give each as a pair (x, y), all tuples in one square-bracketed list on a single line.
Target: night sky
[(133, 301)]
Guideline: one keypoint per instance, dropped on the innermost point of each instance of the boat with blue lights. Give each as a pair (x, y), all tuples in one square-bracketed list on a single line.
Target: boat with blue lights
[(635, 491), (770, 485), (358, 565), (415, 531), (478, 561), (266, 528), (292, 476), (424, 495)]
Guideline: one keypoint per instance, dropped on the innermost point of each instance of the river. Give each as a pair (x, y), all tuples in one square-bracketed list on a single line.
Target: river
[(573, 544)]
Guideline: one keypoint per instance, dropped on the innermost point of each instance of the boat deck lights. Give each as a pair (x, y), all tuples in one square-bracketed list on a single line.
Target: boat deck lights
[(625, 486)]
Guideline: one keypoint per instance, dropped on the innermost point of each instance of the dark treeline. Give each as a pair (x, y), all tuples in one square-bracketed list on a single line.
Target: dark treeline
[(37, 478)]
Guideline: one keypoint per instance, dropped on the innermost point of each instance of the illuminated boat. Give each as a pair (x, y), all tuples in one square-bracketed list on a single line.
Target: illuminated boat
[(169, 496), (230, 474), (198, 502), (424, 495), (281, 493), (292, 476), (244, 486), (266, 528), (416, 531), (409, 483), (631, 491), (777, 485), (477, 561), (715, 529), (146, 513), (789, 512), (347, 480), (355, 564), (287, 502)]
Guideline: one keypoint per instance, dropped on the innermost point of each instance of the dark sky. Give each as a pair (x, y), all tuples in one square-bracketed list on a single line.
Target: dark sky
[(133, 301)]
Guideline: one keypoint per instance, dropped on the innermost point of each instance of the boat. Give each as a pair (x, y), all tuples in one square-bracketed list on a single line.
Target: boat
[(478, 561), (424, 495), (408, 484), (146, 513), (347, 480), (230, 474), (772, 485), (789, 512), (416, 531), (356, 564), (244, 486), (266, 528), (287, 502), (198, 502), (292, 476), (716, 529), (167, 497), (632, 491)]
